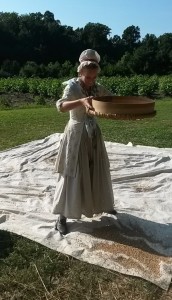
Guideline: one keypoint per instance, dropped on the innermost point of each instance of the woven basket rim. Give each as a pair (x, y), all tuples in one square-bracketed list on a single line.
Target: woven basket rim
[(121, 116)]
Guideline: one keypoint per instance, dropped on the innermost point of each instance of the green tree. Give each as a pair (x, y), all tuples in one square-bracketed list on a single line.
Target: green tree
[(95, 35), (118, 47), (164, 53), (30, 69), (144, 60), (131, 37)]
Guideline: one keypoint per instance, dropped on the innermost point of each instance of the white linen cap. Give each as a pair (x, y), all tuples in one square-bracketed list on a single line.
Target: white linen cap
[(88, 57)]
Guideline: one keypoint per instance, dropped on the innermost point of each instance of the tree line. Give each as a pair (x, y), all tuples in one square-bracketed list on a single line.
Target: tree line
[(36, 44)]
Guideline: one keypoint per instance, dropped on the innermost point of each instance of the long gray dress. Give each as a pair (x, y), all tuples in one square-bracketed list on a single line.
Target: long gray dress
[(83, 180)]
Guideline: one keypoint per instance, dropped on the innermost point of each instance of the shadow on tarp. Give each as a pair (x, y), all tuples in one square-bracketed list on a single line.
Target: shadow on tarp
[(6, 243), (124, 229), (130, 230)]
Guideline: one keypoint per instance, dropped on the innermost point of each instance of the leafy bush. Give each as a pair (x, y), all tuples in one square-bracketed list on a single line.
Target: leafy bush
[(148, 86), (33, 85), (55, 88), (165, 85), (141, 85), (126, 88)]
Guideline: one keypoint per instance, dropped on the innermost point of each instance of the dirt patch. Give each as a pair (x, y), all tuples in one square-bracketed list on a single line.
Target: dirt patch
[(17, 100)]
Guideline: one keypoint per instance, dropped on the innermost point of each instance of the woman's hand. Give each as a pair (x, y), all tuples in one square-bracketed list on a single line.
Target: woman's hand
[(69, 105), (87, 102)]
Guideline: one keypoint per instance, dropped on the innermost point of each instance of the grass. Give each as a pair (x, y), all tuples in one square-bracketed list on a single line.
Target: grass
[(19, 126), (29, 270), (155, 131)]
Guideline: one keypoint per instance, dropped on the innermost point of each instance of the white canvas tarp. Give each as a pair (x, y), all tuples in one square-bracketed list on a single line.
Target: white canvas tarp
[(138, 241)]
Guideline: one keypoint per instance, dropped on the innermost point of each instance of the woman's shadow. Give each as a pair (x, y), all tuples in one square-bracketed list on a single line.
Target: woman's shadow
[(126, 229), (6, 243)]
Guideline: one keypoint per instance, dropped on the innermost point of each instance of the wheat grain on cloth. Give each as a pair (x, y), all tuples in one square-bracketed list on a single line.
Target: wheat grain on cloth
[(137, 242)]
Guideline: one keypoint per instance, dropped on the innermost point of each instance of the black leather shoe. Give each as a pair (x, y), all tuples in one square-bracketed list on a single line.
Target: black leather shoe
[(112, 212), (60, 225)]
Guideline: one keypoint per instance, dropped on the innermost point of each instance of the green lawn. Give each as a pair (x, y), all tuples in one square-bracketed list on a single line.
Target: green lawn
[(19, 126), (31, 271), (156, 131)]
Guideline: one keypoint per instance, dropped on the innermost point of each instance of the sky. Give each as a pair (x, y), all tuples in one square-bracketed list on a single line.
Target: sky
[(151, 16)]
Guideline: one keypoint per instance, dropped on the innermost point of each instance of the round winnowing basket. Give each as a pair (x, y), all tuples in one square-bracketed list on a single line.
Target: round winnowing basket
[(123, 107)]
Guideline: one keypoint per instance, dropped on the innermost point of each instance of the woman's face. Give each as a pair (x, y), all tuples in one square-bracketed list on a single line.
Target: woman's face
[(88, 76)]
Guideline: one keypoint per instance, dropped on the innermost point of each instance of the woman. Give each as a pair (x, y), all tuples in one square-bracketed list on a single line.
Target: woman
[(84, 182)]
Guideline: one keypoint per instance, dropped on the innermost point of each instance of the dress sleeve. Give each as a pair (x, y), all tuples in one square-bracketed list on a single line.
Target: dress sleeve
[(68, 94)]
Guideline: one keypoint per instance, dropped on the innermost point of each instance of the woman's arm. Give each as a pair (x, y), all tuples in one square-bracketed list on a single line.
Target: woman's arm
[(68, 105)]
